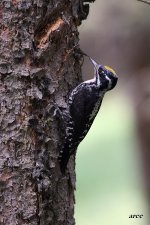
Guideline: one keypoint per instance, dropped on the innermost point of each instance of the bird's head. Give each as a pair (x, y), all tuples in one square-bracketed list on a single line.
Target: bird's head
[(106, 77)]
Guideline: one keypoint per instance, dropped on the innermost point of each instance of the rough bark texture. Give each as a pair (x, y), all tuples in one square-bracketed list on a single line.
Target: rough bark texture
[(38, 68)]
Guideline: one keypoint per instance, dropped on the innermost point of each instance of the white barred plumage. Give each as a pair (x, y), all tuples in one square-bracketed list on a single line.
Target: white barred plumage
[(83, 105)]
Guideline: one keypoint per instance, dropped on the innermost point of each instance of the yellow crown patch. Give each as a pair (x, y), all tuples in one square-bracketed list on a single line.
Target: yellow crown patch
[(110, 69)]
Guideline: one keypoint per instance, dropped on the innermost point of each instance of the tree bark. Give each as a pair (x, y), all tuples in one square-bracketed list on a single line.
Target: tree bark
[(38, 68)]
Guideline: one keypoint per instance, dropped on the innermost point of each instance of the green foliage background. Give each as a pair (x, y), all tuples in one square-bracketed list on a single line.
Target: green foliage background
[(109, 178)]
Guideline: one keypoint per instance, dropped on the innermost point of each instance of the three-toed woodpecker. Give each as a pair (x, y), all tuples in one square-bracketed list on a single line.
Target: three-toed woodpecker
[(83, 106)]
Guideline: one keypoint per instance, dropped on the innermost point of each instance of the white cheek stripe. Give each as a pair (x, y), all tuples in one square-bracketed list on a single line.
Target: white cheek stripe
[(109, 80)]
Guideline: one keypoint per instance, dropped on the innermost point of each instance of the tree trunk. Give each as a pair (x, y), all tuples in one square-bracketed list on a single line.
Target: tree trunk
[(38, 67)]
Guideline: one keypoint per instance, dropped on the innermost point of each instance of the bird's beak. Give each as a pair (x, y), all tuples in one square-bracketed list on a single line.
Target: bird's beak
[(95, 64)]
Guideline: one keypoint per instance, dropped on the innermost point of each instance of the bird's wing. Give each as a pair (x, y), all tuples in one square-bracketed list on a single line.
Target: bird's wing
[(81, 109)]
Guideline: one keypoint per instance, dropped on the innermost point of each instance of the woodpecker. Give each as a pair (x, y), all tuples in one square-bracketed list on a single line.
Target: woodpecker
[(83, 105)]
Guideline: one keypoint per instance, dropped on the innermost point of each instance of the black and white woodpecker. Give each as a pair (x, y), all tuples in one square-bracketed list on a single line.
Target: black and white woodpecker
[(83, 105)]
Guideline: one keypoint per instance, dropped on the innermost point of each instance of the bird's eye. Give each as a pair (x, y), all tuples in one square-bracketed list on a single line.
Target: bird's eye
[(100, 70)]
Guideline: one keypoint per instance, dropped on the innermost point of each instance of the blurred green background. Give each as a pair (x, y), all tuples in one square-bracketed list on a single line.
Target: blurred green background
[(110, 176)]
